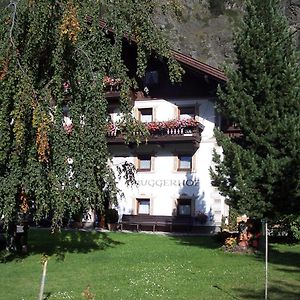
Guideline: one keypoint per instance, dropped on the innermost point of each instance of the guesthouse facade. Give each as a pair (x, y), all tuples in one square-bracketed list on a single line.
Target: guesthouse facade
[(172, 163)]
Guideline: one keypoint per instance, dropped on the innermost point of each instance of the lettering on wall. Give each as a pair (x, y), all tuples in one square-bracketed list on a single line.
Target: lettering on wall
[(168, 182)]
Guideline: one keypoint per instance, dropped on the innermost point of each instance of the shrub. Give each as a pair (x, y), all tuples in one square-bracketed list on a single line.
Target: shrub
[(201, 217), (230, 243), (111, 215)]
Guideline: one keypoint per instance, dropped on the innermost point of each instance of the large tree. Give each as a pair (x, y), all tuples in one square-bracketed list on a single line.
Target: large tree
[(259, 172), (53, 58)]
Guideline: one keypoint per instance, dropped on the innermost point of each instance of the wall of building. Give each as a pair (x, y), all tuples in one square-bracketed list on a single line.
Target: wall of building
[(164, 185)]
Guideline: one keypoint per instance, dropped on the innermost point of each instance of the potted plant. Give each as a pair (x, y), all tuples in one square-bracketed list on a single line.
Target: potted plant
[(112, 218), (113, 84)]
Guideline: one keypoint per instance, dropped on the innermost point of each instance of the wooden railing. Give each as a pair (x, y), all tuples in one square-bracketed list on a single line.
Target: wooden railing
[(169, 131)]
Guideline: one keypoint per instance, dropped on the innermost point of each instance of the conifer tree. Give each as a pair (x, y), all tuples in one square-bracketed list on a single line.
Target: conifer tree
[(53, 58), (259, 172)]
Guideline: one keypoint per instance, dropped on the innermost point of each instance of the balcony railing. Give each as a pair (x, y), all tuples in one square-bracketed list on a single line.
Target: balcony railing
[(172, 131), (163, 132), (231, 129)]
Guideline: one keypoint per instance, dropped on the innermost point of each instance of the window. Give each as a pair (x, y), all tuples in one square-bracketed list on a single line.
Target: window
[(113, 112), (184, 163), (143, 206), (184, 207), (187, 112), (145, 115), (151, 78), (144, 163)]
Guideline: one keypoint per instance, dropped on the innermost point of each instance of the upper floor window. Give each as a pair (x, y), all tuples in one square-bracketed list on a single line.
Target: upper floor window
[(151, 78), (146, 115), (184, 163), (187, 112), (144, 163), (113, 113)]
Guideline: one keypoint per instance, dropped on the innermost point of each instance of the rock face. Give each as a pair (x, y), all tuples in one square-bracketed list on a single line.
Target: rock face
[(206, 28)]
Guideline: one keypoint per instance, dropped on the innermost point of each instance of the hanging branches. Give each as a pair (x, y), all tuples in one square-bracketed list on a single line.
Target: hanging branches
[(52, 67)]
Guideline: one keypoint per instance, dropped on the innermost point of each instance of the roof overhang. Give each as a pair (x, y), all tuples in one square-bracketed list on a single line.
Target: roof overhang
[(185, 60), (199, 66)]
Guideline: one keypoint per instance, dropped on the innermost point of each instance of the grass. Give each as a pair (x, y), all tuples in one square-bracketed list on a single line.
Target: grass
[(146, 266)]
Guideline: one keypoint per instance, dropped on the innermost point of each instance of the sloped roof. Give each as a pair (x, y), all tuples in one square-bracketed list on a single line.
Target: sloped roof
[(188, 61), (200, 66)]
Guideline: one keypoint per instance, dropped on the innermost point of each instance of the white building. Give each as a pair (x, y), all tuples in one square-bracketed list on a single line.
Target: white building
[(173, 162)]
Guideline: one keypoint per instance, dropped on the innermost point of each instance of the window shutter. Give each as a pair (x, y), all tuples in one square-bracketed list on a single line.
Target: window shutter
[(175, 163), (152, 163), (194, 163), (136, 162), (136, 113), (176, 113), (153, 114)]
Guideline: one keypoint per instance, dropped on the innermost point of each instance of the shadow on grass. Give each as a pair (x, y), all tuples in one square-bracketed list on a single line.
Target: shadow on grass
[(42, 241), (276, 290), (287, 260), (225, 292), (206, 242), (290, 259), (282, 257)]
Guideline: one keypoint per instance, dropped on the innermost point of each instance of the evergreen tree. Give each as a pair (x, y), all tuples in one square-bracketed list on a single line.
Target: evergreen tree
[(53, 58), (259, 172)]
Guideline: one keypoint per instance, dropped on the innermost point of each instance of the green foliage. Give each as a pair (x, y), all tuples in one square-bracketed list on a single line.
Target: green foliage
[(111, 215), (295, 228), (287, 228), (53, 58), (232, 220), (260, 172), (3, 3)]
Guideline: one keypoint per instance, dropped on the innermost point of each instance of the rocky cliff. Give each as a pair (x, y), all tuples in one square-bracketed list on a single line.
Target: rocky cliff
[(205, 28), (204, 31)]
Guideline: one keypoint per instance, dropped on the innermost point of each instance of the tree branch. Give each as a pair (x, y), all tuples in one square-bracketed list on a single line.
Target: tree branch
[(13, 17)]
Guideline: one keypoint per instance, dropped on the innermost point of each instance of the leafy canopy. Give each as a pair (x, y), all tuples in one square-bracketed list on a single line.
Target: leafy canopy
[(53, 58), (259, 173)]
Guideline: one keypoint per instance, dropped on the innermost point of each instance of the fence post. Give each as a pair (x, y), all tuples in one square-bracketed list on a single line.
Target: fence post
[(44, 262), (265, 234)]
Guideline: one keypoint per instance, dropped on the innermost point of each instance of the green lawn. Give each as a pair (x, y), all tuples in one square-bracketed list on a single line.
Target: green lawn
[(146, 266)]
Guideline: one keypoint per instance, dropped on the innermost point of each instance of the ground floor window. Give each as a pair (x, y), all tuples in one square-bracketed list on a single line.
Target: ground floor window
[(143, 206), (184, 207)]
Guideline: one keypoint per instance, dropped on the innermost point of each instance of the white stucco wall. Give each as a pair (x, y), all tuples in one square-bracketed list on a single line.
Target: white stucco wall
[(163, 185)]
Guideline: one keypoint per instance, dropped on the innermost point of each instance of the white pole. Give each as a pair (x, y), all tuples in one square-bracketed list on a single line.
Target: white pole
[(266, 259), (43, 280)]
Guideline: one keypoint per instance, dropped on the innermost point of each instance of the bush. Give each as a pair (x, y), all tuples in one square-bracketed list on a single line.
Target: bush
[(287, 229), (220, 237), (111, 215), (201, 217)]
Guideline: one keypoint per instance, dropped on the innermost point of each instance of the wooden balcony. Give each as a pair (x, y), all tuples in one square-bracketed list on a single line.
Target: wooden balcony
[(230, 129), (232, 132), (186, 135), (111, 95)]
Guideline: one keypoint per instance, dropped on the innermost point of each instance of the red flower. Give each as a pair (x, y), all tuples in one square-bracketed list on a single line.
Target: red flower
[(68, 128), (66, 86), (110, 81), (111, 127)]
